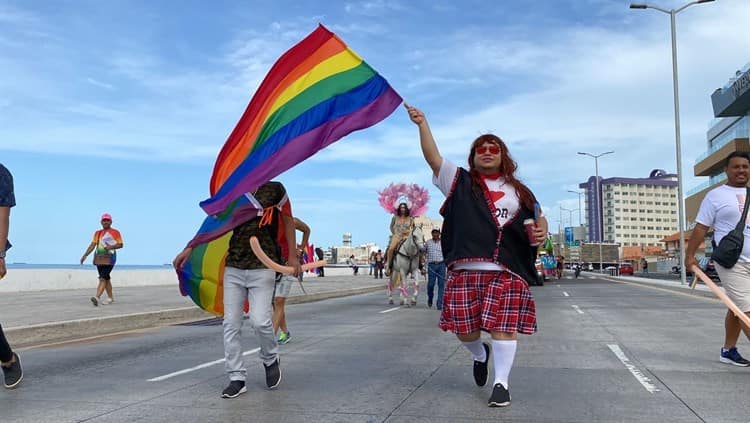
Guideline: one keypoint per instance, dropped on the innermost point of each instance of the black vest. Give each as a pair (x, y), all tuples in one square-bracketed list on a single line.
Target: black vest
[(471, 232)]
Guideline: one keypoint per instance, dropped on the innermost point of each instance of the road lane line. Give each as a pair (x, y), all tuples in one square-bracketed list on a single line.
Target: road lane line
[(389, 310), (566, 294), (643, 379), (198, 367), (578, 309)]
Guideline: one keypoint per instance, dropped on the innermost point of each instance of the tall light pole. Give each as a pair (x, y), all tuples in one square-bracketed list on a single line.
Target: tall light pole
[(599, 204), (675, 89), (579, 193), (570, 217)]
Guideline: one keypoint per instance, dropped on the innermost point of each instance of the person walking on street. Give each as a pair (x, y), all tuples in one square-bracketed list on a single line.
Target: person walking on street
[(105, 243), (487, 245), (247, 279), (722, 208), (435, 269), (284, 284), (379, 264), (9, 360), (321, 256), (644, 262)]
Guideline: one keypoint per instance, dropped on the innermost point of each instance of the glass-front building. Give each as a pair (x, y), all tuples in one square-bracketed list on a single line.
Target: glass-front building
[(729, 132)]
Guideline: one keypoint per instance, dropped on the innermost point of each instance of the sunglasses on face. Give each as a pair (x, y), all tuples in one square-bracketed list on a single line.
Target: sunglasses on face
[(492, 149)]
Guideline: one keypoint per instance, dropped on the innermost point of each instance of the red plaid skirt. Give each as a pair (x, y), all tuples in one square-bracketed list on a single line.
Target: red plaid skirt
[(492, 301)]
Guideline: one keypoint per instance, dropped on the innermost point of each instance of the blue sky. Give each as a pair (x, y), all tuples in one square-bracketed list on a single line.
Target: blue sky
[(122, 106)]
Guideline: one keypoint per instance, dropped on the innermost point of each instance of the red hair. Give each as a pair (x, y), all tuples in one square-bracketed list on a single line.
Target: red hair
[(508, 168)]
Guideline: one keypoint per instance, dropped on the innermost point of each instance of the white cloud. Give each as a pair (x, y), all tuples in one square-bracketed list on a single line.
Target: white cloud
[(100, 84)]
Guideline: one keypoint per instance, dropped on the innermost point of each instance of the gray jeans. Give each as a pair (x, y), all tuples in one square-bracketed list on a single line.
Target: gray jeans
[(255, 285)]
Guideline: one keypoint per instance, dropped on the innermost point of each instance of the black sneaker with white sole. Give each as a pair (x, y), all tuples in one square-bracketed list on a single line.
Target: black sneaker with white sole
[(480, 367), (273, 374), (13, 373), (235, 388), (500, 396)]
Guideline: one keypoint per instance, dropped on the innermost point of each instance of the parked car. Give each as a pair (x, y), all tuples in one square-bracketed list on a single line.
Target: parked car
[(626, 269), (708, 267), (539, 273)]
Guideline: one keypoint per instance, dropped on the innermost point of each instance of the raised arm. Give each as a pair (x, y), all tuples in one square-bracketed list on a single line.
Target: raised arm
[(426, 141), (302, 227)]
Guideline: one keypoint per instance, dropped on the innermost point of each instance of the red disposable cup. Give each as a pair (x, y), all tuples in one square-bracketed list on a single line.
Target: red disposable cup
[(530, 225)]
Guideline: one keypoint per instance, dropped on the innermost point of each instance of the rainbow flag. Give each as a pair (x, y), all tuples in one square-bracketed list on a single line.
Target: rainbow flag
[(316, 93)]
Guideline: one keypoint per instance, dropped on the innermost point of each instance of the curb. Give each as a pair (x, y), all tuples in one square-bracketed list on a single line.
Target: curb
[(45, 333)]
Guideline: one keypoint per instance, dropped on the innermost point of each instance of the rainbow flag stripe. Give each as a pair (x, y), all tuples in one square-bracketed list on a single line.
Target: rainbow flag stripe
[(316, 93), (201, 277)]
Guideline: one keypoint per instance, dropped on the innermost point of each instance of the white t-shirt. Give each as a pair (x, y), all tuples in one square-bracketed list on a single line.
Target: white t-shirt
[(504, 196), (722, 209)]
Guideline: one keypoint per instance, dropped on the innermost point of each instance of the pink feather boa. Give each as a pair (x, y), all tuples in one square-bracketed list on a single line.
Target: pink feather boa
[(413, 195)]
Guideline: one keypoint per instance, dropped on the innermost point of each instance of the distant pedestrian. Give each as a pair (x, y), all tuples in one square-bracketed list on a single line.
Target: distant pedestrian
[(321, 256), (247, 279), (372, 262), (487, 243), (379, 264), (284, 284), (560, 266), (9, 360), (722, 208), (644, 263), (104, 245), (353, 264), (435, 269)]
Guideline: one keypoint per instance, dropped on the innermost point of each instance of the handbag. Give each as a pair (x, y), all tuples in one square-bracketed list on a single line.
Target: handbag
[(730, 247)]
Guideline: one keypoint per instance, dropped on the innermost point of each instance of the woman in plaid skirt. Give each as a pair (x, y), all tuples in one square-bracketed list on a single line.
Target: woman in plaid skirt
[(488, 251)]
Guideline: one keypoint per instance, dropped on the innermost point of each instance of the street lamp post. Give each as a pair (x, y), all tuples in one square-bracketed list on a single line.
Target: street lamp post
[(675, 89), (570, 217), (579, 193), (599, 204)]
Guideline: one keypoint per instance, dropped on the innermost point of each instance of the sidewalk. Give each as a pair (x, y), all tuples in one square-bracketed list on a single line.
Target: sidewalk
[(51, 316), (667, 283)]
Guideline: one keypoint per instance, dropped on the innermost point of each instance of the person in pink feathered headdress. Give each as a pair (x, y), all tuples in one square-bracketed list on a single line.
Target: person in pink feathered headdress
[(402, 224)]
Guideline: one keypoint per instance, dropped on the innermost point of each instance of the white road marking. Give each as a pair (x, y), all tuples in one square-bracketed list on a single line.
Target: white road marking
[(566, 294), (389, 310), (645, 381), (198, 367), (578, 309)]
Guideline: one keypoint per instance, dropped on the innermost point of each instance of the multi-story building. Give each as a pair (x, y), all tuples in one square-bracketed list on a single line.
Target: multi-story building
[(634, 211), (729, 132)]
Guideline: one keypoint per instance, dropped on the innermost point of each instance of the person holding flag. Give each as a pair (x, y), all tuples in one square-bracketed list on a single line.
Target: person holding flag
[(489, 250), (247, 279)]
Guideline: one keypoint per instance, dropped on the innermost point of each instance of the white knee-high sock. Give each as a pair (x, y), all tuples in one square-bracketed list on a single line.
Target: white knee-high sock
[(477, 349), (503, 353)]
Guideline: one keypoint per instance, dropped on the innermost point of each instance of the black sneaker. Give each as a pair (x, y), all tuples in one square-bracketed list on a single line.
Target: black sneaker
[(13, 373), (94, 301), (500, 396), (273, 374), (480, 368), (732, 356), (235, 388)]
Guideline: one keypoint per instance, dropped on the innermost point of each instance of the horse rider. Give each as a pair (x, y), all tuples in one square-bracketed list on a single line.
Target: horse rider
[(401, 226)]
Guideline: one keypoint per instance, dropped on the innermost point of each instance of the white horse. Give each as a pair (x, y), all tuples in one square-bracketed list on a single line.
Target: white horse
[(406, 261)]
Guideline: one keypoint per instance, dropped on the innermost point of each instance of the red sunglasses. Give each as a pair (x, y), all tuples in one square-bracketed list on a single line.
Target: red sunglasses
[(492, 149)]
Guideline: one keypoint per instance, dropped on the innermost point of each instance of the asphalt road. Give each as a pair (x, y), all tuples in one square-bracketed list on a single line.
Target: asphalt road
[(605, 352)]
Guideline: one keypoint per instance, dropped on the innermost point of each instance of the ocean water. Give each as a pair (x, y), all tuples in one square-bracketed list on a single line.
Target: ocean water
[(87, 265)]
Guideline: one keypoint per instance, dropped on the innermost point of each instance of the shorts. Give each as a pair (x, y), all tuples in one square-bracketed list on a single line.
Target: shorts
[(494, 301), (104, 271), (283, 285), (736, 283)]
